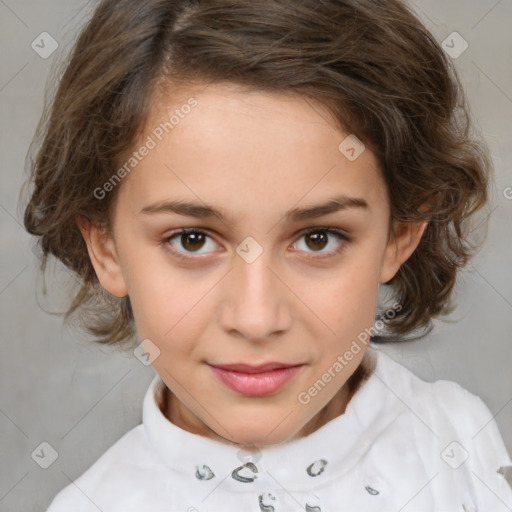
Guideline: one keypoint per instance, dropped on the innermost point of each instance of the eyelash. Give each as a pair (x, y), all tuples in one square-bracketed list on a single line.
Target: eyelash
[(330, 231)]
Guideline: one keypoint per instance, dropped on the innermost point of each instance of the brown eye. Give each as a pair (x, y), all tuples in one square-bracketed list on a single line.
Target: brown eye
[(318, 239), (189, 241), (192, 241)]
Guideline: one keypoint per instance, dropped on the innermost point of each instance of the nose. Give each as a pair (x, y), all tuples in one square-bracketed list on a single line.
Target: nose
[(256, 303)]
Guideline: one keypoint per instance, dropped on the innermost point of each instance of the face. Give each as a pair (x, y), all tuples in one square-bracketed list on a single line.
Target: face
[(278, 272)]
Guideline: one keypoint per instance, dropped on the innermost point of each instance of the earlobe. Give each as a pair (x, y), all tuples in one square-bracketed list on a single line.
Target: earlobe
[(103, 256), (407, 236)]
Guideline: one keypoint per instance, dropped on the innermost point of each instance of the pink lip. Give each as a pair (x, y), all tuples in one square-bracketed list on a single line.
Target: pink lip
[(259, 380)]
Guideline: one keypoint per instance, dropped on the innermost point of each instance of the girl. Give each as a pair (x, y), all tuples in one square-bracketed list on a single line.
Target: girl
[(313, 152)]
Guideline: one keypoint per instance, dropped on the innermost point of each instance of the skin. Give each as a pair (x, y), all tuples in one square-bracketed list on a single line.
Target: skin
[(253, 156)]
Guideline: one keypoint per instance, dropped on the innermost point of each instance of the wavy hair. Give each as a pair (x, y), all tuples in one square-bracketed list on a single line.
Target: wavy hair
[(372, 63)]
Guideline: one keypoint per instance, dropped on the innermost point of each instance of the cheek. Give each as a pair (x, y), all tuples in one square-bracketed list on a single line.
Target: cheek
[(350, 289), (344, 302), (168, 303)]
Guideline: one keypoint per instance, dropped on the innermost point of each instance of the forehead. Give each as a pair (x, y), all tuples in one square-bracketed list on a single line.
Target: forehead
[(223, 145)]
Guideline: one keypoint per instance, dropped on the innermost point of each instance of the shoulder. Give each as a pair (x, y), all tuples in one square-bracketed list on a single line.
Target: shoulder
[(454, 431), (442, 396), (444, 403), (112, 470)]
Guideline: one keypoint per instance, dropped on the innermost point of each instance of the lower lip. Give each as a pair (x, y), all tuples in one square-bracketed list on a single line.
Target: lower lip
[(256, 384)]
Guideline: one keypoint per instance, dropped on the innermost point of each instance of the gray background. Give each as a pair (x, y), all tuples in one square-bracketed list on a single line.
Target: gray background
[(58, 386)]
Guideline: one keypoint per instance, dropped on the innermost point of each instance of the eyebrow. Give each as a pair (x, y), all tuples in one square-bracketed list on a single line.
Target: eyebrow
[(294, 215)]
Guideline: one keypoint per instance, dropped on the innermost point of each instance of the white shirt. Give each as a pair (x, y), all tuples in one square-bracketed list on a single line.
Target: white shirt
[(402, 445)]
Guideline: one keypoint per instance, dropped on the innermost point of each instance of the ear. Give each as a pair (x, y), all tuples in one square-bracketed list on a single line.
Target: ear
[(407, 236), (103, 256)]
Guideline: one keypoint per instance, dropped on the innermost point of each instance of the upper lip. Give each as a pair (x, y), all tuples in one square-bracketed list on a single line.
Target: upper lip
[(250, 368)]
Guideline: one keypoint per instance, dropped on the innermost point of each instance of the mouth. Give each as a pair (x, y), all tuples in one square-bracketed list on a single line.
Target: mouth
[(251, 380)]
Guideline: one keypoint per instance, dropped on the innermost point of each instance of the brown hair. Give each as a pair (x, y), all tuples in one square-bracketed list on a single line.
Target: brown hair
[(371, 62)]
